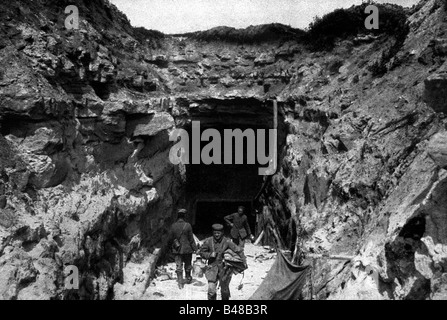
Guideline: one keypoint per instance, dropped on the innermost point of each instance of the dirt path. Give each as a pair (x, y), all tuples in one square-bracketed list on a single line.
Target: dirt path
[(259, 260)]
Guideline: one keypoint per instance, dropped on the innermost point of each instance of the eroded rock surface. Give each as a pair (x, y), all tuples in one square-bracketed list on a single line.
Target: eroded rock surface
[(85, 177)]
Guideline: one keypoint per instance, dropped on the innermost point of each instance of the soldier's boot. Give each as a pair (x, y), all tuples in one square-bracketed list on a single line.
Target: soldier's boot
[(225, 290), (188, 277), (225, 294), (212, 294), (180, 280)]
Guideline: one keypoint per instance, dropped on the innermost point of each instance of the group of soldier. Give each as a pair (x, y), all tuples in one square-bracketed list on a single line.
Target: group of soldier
[(212, 249)]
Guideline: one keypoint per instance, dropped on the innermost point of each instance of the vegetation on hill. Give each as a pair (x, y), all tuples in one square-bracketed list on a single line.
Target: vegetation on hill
[(251, 34), (342, 23)]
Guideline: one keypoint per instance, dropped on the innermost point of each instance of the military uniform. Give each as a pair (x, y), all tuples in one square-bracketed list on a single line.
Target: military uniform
[(239, 225), (216, 270), (182, 231)]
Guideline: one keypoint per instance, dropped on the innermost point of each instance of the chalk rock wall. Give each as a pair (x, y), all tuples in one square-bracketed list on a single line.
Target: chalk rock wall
[(85, 118), (85, 178), (364, 172)]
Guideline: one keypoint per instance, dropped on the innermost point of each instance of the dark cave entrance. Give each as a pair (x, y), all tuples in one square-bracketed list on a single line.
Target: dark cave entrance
[(210, 212), (213, 191)]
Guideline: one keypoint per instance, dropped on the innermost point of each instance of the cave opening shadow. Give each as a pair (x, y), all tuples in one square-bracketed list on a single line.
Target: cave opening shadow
[(208, 212)]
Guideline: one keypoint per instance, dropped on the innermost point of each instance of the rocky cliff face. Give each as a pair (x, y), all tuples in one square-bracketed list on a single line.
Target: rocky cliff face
[(85, 180), (364, 172), (85, 117)]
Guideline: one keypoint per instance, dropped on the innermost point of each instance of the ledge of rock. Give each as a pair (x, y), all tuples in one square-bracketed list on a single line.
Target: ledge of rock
[(435, 94), (437, 148)]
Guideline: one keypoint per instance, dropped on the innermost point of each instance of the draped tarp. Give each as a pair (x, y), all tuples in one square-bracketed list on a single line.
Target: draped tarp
[(284, 281)]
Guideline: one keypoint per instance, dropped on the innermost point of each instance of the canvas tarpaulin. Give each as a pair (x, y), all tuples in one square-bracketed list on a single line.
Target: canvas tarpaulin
[(284, 281)]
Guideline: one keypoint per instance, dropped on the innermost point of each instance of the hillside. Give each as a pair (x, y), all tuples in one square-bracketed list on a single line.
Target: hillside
[(85, 118)]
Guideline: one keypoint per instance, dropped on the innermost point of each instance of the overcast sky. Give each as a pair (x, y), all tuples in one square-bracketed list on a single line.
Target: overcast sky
[(178, 16)]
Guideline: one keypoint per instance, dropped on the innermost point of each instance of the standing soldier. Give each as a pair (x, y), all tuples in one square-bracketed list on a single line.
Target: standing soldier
[(181, 240), (240, 230), (213, 250)]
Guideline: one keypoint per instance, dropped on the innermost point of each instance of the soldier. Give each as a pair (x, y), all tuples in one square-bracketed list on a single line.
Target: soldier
[(213, 249), (240, 230), (181, 240)]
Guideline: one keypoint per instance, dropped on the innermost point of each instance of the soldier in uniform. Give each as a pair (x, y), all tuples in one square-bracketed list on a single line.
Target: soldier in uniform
[(213, 249), (182, 231), (240, 230)]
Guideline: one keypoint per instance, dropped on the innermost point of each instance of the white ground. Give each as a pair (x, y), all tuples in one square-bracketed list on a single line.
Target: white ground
[(259, 260)]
